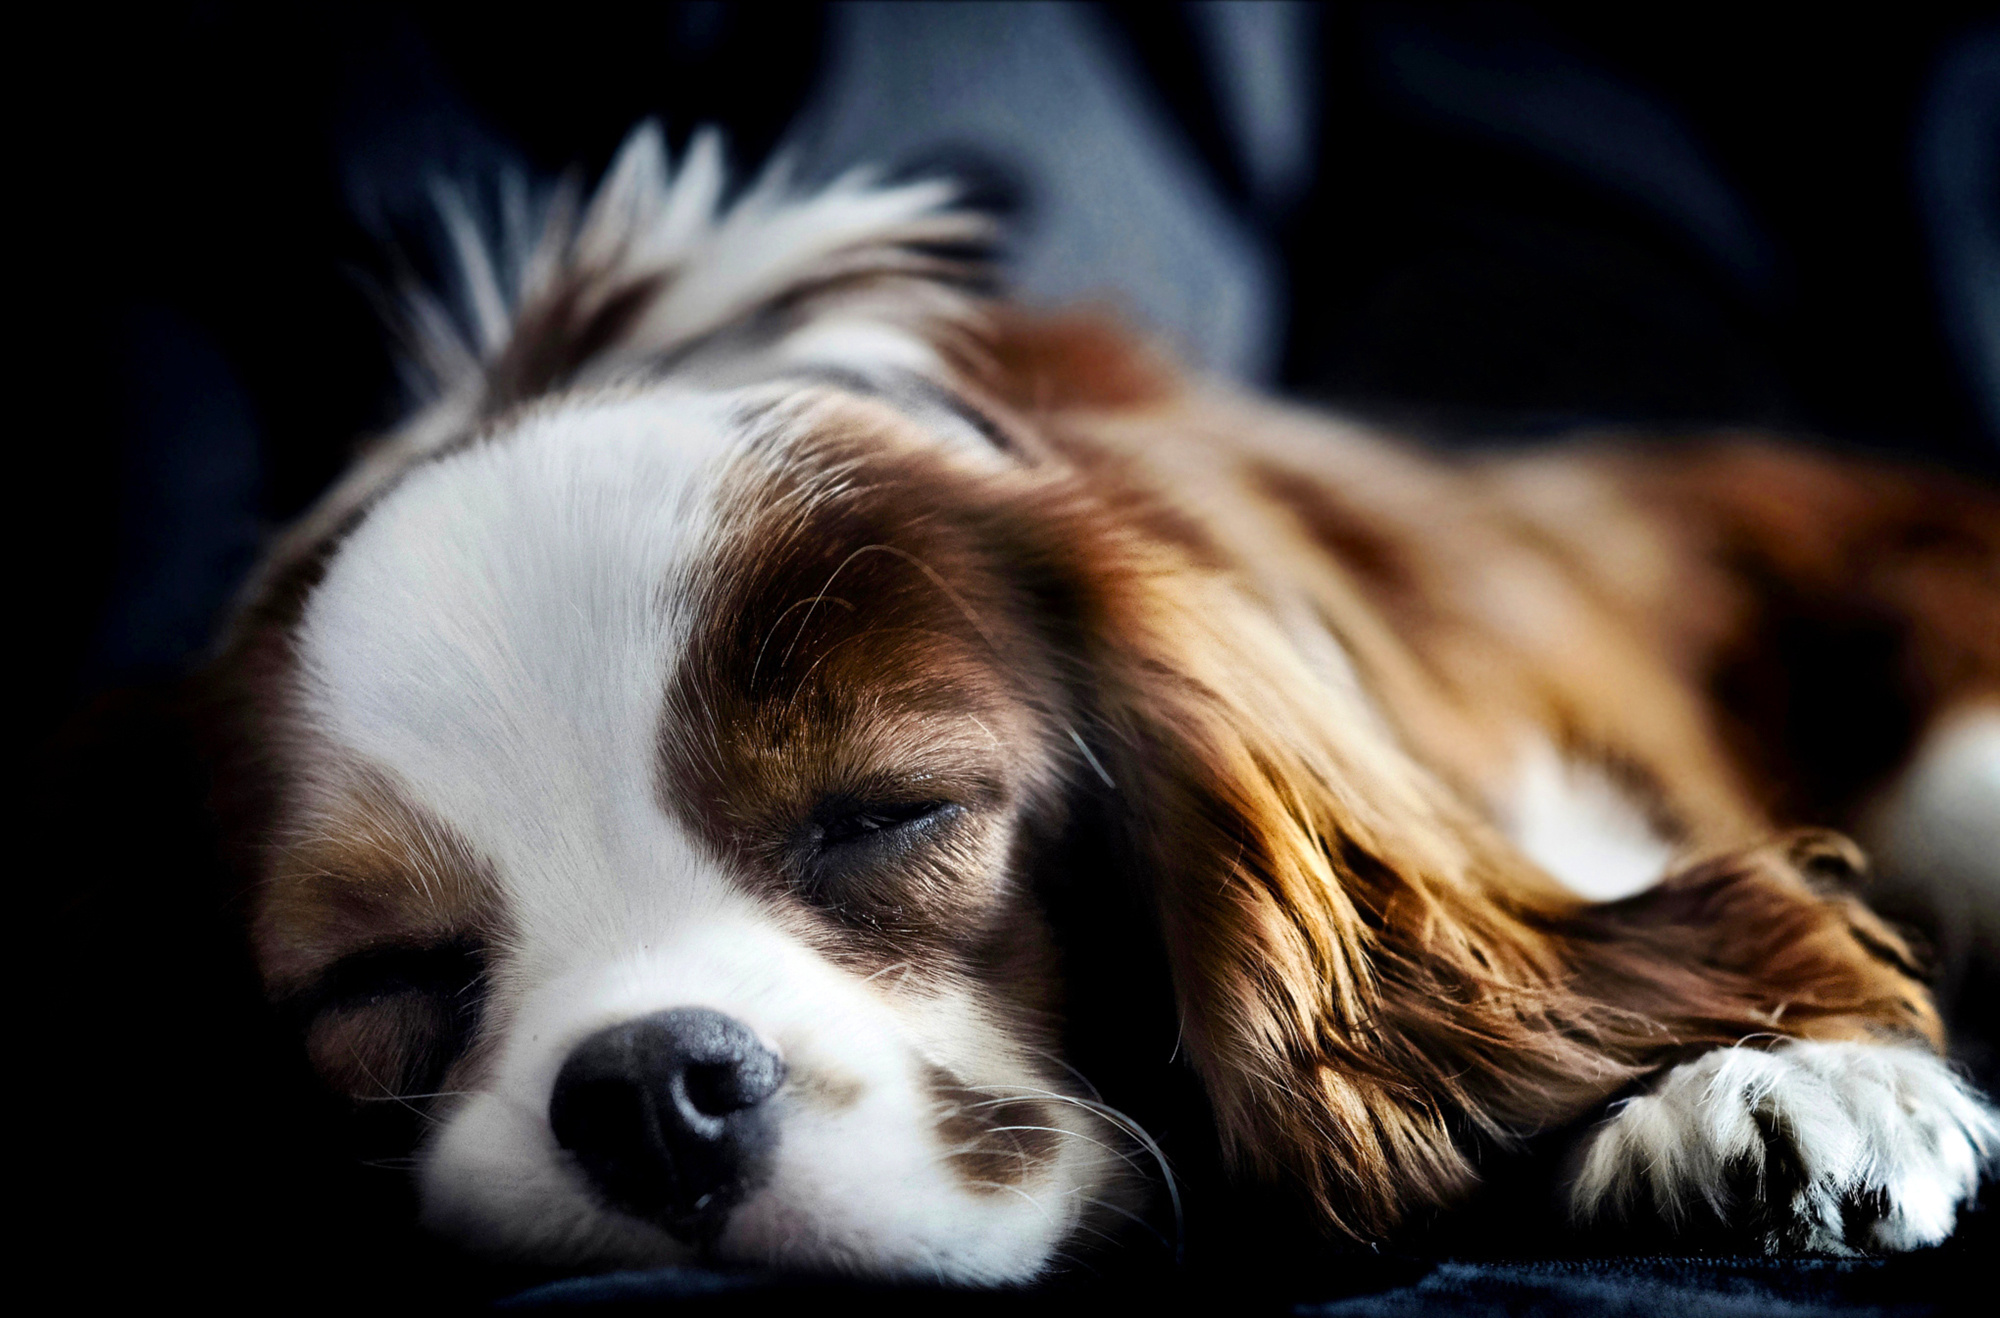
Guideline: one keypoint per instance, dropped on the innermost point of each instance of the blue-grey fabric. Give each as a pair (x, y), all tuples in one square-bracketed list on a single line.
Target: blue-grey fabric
[(1958, 183), (1118, 211), (1647, 1287)]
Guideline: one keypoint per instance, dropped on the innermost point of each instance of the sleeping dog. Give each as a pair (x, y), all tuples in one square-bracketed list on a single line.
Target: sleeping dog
[(666, 756)]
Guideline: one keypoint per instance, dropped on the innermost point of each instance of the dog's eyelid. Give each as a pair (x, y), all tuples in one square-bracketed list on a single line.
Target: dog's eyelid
[(450, 969), (844, 819)]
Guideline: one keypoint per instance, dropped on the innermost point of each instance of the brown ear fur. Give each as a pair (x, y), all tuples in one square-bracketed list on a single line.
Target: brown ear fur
[(1370, 979)]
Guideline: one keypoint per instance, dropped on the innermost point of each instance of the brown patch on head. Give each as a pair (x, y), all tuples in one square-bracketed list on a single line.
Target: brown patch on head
[(367, 867), (855, 720), (371, 928), (992, 1141)]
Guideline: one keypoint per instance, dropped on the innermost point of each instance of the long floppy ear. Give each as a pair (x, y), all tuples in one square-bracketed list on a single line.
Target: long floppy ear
[(1350, 993), (1339, 966), (1370, 979)]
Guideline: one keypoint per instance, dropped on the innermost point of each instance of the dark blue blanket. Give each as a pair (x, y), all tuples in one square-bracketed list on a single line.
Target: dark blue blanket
[(1934, 1283), (1954, 1278)]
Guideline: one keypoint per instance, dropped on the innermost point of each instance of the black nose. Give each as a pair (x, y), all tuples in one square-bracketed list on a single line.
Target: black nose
[(665, 1114)]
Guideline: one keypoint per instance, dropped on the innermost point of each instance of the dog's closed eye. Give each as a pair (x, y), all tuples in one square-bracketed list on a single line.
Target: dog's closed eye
[(389, 1021), (861, 849), (842, 822)]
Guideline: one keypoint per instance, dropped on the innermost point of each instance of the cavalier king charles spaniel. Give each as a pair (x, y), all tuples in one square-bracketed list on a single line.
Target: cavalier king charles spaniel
[(667, 759)]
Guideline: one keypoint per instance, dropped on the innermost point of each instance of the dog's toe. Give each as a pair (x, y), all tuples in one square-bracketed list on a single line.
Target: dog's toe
[(1830, 1148)]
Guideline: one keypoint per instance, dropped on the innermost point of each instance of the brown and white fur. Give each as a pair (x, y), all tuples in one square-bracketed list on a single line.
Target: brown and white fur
[(1451, 787)]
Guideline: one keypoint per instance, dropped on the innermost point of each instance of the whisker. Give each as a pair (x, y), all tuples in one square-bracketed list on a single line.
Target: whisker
[(806, 621), (809, 600), (1017, 1190), (1137, 1132), (1101, 1234), (1113, 1150), (1075, 1074), (1088, 757), (1129, 1216), (388, 1096)]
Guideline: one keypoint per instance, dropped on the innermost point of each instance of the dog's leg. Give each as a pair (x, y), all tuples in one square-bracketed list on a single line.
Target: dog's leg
[(1830, 1148), (1838, 1130)]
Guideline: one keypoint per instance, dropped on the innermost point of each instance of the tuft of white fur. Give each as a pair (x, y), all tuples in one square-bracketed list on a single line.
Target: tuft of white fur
[(1570, 818), (712, 264), (1886, 1132)]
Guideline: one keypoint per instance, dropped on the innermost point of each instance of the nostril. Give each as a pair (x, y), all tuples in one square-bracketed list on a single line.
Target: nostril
[(744, 1075), (600, 1113), (716, 1089)]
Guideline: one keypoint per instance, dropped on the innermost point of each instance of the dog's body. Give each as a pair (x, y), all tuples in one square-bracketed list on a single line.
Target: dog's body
[(663, 751)]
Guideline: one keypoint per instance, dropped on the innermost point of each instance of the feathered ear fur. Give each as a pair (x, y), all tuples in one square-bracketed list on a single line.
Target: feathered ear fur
[(1371, 981), (1336, 960)]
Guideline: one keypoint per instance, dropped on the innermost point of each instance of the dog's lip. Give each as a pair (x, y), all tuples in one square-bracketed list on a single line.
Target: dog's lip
[(699, 1224), (702, 1225)]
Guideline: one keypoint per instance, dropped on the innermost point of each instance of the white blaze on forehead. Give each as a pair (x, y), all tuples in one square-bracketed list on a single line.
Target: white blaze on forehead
[(499, 631)]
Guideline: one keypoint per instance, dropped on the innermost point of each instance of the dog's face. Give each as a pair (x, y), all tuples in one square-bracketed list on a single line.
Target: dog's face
[(663, 777)]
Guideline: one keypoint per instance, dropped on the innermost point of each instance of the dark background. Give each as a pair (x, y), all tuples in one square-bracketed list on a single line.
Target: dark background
[(1503, 222)]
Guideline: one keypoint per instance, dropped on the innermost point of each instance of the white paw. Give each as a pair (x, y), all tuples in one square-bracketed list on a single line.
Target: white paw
[(1829, 1148)]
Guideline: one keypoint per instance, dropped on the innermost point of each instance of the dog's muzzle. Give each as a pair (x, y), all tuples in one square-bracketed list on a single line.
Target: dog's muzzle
[(666, 1115)]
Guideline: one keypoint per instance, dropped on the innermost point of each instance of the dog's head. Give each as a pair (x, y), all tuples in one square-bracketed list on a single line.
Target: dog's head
[(655, 741), (665, 747)]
